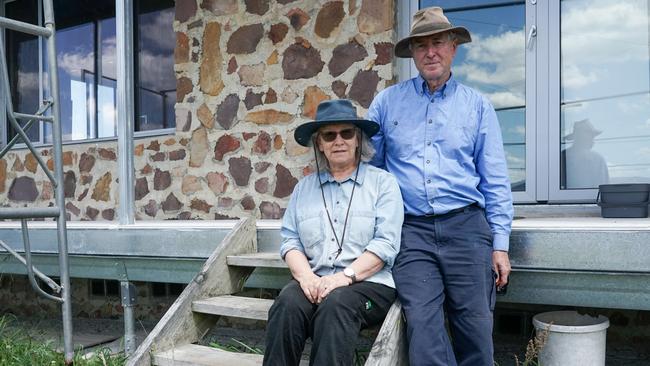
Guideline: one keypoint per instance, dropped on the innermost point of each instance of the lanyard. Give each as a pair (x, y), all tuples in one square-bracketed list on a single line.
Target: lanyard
[(339, 243)]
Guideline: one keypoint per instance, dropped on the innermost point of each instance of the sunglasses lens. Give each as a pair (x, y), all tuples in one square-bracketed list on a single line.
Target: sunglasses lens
[(330, 136), (348, 134)]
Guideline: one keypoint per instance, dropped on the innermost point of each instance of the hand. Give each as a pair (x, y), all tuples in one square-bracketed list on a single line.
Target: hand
[(501, 264), (310, 286), (331, 282)]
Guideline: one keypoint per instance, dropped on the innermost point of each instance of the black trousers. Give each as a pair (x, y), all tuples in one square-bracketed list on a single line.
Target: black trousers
[(333, 325)]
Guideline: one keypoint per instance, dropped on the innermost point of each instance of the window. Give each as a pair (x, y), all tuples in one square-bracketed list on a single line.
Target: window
[(87, 67), (156, 82), (604, 93), (570, 81), (104, 288)]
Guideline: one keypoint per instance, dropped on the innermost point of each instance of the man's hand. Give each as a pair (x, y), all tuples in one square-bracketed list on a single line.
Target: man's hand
[(501, 264), (329, 283)]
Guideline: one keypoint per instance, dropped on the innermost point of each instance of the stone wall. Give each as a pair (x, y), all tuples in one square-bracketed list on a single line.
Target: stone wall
[(248, 72)]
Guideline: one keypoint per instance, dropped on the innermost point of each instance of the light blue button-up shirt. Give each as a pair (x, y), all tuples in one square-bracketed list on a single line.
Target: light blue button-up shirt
[(445, 149), (374, 223)]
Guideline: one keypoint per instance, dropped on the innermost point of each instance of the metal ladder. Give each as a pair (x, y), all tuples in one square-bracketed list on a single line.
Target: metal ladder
[(58, 211)]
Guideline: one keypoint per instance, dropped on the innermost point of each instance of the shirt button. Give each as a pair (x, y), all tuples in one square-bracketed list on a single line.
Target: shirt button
[(430, 121), (332, 239), (428, 161), (395, 123), (337, 202), (429, 143), (330, 258), (428, 181), (335, 220)]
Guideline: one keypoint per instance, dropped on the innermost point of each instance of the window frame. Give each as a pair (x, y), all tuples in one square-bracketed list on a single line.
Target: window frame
[(128, 109)]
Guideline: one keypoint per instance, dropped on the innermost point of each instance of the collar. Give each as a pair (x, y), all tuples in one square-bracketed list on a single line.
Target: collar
[(422, 89), (326, 177)]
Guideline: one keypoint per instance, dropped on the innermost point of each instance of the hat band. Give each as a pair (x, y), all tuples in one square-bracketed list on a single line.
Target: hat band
[(426, 28), (336, 116)]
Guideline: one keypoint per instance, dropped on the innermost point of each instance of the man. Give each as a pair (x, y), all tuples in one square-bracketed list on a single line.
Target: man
[(442, 141)]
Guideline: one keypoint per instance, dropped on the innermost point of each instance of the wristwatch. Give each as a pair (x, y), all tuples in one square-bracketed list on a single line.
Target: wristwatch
[(349, 272)]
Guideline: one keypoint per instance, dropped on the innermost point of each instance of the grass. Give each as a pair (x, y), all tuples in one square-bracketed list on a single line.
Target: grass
[(17, 348), (533, 348)]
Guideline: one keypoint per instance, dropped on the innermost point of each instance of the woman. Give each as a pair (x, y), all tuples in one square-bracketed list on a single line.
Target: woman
[(340, 235)]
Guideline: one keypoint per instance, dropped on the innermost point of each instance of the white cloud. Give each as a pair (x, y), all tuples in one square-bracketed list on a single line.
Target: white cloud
[(515, 161), (158, 72), (505, 99), (28, 82), (574, 77), (159, 32), (496, 66), (74, 62), (109, 57)]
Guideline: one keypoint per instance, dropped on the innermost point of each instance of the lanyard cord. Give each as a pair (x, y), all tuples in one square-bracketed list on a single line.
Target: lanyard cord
[(345, 223)]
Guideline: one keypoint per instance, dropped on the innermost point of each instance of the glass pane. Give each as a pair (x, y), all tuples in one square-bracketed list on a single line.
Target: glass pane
[(107, 88), (605, 93), (156, 82), (22, 63), (85, 37), (494, 64), (459, 4)]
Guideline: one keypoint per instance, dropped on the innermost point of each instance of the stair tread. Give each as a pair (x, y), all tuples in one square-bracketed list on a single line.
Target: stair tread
[(196, 355), (235, 306), (260, 259)]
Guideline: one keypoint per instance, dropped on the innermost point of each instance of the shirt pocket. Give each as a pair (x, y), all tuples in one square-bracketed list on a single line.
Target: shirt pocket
[(310, 231), (362, 230), (401, 139)]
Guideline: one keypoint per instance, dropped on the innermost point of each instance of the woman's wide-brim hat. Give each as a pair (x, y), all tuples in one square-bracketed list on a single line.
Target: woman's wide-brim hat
[(331, 112), (427, 22)]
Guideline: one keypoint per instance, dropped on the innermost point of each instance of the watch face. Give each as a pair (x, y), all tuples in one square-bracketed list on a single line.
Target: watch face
[(348, 272)]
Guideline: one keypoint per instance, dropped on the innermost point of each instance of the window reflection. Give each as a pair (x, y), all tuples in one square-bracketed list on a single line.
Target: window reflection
[(605, 93), (22, 63), (85, 41), (494, 64), (156, 82)]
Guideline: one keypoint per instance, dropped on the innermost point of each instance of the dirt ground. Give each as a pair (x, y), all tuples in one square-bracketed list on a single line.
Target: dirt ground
[(92, 333)]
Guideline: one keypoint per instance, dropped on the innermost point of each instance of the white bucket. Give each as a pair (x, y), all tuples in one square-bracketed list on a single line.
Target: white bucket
[(573, 339)]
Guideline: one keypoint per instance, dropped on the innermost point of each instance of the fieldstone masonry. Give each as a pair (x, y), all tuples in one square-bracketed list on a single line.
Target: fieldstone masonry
[(248, 73)]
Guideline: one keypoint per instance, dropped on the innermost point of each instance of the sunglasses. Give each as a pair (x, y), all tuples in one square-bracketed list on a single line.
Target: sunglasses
[(347, 134)]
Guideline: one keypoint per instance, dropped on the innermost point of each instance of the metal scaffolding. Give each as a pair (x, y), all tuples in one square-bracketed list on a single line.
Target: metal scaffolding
[(56, 212)]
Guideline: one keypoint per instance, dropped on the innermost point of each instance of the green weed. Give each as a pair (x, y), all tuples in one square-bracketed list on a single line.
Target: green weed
[(18, 349)]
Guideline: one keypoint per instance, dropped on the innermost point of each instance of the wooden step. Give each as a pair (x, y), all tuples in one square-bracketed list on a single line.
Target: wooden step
[(195, 355), (235, 306), (261, 259)]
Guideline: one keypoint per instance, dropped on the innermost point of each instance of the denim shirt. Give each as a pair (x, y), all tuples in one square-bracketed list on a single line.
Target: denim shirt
[(374, 223), (446, 151)]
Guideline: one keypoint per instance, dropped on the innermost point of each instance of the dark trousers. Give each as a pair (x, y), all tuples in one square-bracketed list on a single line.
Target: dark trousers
[(445, 264), (333, 325)]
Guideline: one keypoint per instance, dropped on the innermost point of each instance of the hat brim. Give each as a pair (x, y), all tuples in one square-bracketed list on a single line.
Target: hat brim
[(402, 47), (572, 135), (303, 133)]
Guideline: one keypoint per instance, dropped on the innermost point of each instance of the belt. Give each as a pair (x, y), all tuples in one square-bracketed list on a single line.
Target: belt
[(467, 208)]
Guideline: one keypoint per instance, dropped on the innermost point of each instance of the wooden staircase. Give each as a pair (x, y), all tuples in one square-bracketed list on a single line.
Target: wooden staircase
[(209, 296)]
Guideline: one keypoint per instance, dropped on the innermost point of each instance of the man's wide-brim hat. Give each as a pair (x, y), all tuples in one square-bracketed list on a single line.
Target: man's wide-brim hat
[(331, 112), (583, 128), (427, 22)]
